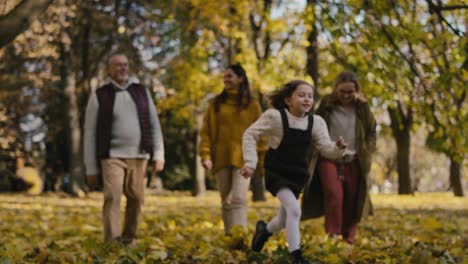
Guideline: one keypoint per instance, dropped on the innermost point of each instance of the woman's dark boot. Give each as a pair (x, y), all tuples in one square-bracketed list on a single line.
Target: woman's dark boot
[(297, 258), (261, 236)]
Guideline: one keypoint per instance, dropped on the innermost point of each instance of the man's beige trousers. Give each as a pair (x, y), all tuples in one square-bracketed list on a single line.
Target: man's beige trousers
[(122, 176)]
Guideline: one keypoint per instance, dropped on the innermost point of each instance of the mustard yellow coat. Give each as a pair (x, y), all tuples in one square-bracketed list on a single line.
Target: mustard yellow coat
[(222, 131)]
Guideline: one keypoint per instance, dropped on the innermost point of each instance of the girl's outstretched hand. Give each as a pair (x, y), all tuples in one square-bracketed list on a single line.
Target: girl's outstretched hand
[(246, 172), (340, 143)]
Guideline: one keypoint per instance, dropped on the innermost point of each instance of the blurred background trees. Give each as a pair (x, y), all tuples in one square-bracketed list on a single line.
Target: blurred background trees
[(411, 57)]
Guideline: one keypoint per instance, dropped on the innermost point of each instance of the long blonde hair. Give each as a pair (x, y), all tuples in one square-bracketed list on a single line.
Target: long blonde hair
[(348, 76)]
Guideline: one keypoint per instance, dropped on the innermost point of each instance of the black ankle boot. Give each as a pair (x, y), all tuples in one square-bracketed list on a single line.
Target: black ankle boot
[(261, 236), (297, 258)]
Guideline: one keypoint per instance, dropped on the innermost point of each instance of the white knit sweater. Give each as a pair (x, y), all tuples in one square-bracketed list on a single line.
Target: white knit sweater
[(126, 134), (269, 124)]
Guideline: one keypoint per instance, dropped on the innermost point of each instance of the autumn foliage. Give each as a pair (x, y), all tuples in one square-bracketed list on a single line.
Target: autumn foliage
[(177, 228)]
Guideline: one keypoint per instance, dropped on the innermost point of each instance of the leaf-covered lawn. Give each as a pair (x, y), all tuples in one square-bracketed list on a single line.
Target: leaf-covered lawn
[(177, 228)]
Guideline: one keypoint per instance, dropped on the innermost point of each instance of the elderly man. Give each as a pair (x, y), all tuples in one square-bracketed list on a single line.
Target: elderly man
[(122, 132)]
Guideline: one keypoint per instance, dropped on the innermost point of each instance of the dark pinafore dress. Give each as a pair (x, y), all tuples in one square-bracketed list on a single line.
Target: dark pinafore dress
[(286, 166)]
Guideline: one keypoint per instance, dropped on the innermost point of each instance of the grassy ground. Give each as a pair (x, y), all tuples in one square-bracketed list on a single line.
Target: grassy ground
[(177, 228)]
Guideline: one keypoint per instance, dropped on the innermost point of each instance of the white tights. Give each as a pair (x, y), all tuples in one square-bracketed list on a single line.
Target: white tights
[(289, 216)]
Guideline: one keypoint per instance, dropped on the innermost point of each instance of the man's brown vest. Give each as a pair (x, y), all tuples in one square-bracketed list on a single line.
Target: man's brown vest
[(106, 98)]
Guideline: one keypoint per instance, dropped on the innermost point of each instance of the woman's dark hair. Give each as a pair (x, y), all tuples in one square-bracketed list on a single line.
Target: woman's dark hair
[(277, 98), (243, 96)]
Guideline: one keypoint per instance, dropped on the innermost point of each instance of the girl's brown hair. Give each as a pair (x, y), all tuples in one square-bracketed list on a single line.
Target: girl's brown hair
[(277, 98)]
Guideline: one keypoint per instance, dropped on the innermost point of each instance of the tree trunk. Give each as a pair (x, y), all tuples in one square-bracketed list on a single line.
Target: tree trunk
[(403, 164), (154, 181), (258, 188), (19, 19), (456, 177), (401, 127), (312, 49), (199, 187), (76, 170), (68, 83), (258, 181)]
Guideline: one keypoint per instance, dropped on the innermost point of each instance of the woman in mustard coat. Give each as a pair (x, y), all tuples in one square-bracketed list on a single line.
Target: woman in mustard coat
[(228, 115)]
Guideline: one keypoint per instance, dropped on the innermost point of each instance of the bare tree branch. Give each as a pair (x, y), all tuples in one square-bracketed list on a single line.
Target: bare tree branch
[(19, 19), (438, 10), (255, 32), (440, 7)]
